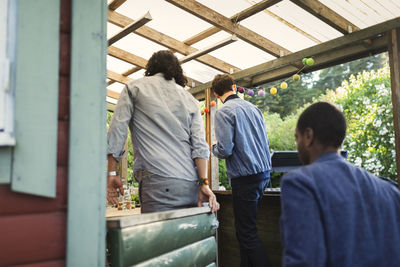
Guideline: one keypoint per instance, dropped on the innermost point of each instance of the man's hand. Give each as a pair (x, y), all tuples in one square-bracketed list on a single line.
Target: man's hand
[(114, 182), (205, 194)]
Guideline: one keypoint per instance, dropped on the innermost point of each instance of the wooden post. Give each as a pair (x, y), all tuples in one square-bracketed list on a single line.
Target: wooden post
[(213, 176), (394, 60)]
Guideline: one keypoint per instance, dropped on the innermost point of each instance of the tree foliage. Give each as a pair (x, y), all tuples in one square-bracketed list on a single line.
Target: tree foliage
[(367, 105)]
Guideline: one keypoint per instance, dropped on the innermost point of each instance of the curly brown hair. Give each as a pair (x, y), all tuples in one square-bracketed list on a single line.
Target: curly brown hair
[(222, 83), (165, 62)]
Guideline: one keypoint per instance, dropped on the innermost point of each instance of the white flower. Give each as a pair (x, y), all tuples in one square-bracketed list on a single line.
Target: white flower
[(358, 161)]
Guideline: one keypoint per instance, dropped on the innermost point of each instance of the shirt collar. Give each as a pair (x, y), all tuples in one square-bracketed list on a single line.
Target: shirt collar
[(329, 156), (233, 96)]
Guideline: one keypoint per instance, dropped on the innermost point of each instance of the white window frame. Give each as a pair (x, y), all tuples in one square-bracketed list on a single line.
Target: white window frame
[(7, 54)]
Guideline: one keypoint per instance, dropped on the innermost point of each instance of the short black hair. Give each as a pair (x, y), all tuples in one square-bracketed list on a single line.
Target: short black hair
[(222, 83), (327, 122), (166, 62)]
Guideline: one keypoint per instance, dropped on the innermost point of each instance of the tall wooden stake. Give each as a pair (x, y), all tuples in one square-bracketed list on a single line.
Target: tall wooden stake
[(394, 60), (213, 175)]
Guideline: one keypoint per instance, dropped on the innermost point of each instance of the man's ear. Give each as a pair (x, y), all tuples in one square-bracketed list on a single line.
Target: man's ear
[(216, 95), (308, 137)]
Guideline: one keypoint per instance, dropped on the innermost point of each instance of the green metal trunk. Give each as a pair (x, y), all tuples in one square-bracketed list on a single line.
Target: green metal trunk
[(183, 237)]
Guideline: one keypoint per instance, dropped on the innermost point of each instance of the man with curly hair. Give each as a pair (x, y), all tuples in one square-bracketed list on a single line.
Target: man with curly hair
[(170, 151)]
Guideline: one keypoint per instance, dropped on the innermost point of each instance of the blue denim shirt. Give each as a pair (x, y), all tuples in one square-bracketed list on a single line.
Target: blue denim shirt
[(336, 214), (241, 138)]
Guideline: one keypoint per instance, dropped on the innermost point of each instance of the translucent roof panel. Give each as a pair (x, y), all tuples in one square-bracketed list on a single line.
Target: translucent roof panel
[(284, 23)]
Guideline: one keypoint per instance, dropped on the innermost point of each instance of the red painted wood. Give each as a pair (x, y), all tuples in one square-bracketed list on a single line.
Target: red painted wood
[(62, 144), (65, 53), (12, 203), (63, 98), (65, 16), (57, 263), (32, 238)]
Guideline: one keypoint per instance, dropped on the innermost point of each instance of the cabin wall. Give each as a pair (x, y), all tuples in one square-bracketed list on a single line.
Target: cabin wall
[(33, 228), (269, 211)]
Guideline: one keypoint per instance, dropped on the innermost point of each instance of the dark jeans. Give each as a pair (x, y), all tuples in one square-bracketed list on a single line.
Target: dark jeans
[(245, 202)]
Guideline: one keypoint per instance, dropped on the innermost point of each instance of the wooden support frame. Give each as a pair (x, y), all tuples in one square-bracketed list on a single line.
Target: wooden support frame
[(394, 61), (256, 8), (226, 24), (118, 77), (115, 4), (209, 49), (130, 28), (169, 42), (139, 62), (317, 50), (327, 15), (213, 175)]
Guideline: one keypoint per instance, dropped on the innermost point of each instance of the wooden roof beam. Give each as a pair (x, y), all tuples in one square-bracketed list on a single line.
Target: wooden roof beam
[(169, 42), (220, 21), (118, 77), (327, 15), (209, 49), (115, 4), (254, 9), (330, 47), (139, 62), (130, 28)]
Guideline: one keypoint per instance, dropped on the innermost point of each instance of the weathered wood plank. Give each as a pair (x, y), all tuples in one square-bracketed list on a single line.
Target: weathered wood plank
[(169, 42), (118, 77), (12, 203), (55, 263), (327, 15), (394, 61), (32, 238), (130, 28), (208, 49), (254, 9), (115, 4), (220, 21), (36, 81), (87, 141)]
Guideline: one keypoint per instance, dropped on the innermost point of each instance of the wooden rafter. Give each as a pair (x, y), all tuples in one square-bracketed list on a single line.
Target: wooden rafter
[(209, 49), (220, 21), (139, 62), (394, 61), (118, 77), (254, 9), (328, 50), (130, 28), (327, 15), (169, 42), (290, 25), (127, 57), (115, 4)]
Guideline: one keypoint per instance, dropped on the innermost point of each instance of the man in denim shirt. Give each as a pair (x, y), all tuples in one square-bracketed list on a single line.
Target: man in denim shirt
[(243, 143), (334, 213)]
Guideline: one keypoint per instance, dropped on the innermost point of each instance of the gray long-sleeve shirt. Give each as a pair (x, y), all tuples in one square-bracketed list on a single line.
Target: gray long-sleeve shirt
[(166, 128)]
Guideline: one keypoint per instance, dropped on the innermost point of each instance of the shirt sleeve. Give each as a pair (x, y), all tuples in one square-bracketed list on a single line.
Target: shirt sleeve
[(200, 148), (224, 132), (118, 130), (301, 225)]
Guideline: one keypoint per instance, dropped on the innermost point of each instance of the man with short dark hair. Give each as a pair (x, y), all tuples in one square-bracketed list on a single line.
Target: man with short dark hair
[(243, 143), (334, 213)]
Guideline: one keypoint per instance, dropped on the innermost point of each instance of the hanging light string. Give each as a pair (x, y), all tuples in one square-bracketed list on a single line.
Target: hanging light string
[(273, 90)]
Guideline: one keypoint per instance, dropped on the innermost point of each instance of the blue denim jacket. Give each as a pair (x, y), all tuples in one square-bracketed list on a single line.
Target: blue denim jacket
[(242, 138)]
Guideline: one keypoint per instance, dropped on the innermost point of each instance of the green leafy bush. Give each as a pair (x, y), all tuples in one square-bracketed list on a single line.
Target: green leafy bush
[(367, 105)]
